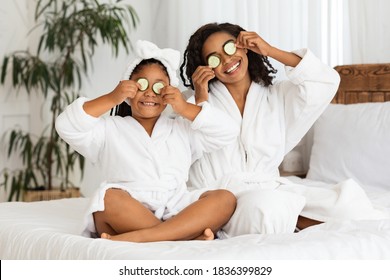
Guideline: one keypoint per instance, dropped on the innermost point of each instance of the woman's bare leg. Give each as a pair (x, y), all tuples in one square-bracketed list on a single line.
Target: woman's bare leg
[(211, 211), (122, 213)]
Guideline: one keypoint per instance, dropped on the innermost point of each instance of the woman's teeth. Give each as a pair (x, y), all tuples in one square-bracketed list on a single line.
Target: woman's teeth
[(234, 67)]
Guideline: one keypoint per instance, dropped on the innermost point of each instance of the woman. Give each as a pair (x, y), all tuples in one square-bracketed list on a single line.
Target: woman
[(228, 66)]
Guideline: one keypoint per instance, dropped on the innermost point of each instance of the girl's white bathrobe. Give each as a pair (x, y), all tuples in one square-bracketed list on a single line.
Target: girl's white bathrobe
[(153, 169), (275, 119)]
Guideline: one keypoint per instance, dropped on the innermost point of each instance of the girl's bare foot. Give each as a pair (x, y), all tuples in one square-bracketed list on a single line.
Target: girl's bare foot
[(207, 234), (105, 236)]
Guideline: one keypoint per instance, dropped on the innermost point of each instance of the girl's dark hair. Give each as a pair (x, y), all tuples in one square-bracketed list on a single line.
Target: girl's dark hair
[(260, 69), (124, 109)]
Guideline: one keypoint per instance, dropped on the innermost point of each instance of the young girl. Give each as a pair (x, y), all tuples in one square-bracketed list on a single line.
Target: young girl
[(232, 65), (145, 157)]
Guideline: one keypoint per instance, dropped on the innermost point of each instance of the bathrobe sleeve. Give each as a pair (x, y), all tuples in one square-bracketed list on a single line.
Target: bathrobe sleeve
[(81, 131), (211, 130), (310, 87)]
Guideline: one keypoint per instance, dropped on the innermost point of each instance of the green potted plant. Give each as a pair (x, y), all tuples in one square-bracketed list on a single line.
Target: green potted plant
[(70, 32)]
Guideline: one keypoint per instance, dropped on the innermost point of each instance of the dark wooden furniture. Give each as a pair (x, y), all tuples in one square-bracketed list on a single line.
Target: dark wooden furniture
[(361, 83)]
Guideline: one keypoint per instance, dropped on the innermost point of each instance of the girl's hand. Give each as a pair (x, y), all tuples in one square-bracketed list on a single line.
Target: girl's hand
[(252, 41), (125, 89), (200, 80), (98, 106), (172, 95)]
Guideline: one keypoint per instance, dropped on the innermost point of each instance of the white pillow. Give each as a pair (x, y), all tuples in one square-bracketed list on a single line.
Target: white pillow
[(352, 141)]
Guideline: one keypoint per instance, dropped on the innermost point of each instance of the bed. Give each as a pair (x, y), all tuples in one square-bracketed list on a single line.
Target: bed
[(50, 230)]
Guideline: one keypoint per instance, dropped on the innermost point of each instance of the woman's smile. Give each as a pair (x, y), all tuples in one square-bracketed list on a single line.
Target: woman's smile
[(232, 67)]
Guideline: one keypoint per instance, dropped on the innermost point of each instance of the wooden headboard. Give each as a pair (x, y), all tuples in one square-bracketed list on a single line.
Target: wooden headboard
[(362, 83)]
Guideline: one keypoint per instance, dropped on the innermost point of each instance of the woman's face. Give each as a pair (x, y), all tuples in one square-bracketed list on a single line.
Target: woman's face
[(233, 68), (147, 104)]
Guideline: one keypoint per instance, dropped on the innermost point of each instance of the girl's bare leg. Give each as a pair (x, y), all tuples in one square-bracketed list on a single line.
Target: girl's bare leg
[(122, 213), (211, 211), (207, 234)]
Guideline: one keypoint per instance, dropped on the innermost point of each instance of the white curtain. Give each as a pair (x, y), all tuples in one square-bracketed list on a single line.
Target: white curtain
[(280, 21), (369, 25), (283, 23), (338, 31)]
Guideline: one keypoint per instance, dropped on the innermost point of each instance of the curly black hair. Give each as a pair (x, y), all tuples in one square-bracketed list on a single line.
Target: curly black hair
[(260, 69), (124, 109)]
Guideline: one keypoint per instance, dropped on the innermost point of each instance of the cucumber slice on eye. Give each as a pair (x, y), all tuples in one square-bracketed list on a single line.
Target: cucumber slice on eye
[(157, 87), (213, 61), (230, 48), (143, 83)]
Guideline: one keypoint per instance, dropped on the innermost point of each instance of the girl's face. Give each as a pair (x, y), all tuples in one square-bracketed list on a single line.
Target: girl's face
[(147, 104), (233, 68)]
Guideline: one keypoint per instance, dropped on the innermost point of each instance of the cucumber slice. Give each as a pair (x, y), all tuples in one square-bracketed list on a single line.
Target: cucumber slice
[(143, 83), (157, 87), (230, 48), (213, 61)]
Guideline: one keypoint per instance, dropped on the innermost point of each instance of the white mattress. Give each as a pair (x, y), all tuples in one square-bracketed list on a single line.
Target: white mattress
[(51, 230)]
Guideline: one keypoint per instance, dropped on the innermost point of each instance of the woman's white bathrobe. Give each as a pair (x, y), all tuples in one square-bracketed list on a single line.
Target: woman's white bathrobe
[(153, 169), (275, 119)]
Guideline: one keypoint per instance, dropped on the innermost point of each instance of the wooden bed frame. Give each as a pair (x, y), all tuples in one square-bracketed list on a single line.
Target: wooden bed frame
[(361, 83)]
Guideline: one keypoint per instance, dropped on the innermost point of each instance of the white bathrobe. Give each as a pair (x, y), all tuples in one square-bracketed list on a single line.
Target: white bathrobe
[(153, 169), (275, 119)]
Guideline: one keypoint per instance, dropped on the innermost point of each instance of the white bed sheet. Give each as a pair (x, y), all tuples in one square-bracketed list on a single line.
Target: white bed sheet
[(51, 230)]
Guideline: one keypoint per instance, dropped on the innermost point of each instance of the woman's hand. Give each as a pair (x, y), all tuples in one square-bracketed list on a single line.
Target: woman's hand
[(252, 41), (200, 80)]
